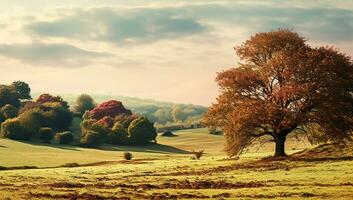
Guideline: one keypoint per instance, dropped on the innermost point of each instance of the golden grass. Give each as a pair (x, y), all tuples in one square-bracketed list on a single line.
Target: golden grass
[(165, 171)]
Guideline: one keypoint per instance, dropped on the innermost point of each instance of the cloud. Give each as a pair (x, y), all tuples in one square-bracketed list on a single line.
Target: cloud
[(319, 22), (166, 35), (51, 55), (119, 26), (140, 25)]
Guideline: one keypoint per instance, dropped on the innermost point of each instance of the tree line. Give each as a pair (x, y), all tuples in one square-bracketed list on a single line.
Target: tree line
[(49, 116)]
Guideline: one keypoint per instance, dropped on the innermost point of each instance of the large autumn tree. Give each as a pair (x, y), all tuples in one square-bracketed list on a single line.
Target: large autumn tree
[(284, 86)]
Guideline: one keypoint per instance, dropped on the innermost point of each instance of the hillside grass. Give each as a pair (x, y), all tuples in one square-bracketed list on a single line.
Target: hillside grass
[(166, 171), (23, 153)]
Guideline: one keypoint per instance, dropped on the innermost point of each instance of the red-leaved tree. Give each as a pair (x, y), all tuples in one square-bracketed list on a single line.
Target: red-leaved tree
[(111, 108), (284, 86)]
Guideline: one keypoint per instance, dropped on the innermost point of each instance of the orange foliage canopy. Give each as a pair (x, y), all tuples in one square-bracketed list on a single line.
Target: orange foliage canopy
[(284, 86)]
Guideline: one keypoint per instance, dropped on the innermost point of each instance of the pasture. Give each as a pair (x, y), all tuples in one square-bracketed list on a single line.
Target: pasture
[(167, 171)]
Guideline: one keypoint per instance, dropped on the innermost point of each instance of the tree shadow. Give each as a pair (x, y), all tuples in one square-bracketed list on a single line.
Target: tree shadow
[(168, 135), (148, 148), (59, 146)]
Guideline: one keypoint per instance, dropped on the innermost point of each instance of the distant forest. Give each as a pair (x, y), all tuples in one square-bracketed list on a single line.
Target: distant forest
[(165, 115)]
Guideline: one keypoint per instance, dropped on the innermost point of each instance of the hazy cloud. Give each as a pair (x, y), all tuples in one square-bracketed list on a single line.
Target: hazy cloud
[(53, 55), (119, 26), (318, 22), (138, 25)]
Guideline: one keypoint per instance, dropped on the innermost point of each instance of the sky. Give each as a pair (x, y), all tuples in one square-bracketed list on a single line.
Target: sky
[(164, 50)]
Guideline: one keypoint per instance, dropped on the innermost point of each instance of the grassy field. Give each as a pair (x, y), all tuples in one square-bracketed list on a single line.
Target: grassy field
[(166, 171)]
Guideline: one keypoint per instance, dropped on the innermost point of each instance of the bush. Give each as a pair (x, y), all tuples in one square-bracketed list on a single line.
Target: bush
[(84, 103), (30, 119), (9, 111), (198, 154), (46, 134), (56, 116), (142, 131), (128, 156), (13, 129), (118, 135), (64, 137), (91, 139)]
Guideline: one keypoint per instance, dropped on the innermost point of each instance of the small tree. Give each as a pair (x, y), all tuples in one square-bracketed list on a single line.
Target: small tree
[(283, 87), (142, 131), (84, 103), (22, 89), (46, 134), (110, 108)]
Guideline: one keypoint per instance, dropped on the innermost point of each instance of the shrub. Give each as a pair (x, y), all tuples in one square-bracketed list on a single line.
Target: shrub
[(64, 137), (91, 139), (13, 129), (9, 111), (142, 131), (30, 119), (110, 108), (198, 154), (46, 134), (128, 156), (56, 116), (84, 103), (118, 135)]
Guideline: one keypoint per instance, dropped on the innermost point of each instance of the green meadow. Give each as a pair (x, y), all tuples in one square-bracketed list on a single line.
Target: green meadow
[(168, 170)]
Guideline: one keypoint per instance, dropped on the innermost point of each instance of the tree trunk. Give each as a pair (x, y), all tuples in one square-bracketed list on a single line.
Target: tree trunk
[(279, 151)]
